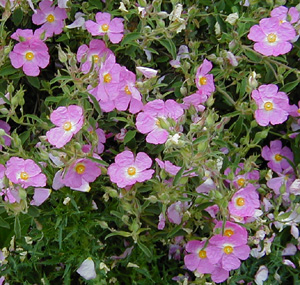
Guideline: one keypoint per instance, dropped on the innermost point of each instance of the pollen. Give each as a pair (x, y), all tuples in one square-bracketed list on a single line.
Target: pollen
[(228, 249), (241, 182), (131, 170), (80, 168), (271, 38), (95, 58), (127, 91), (105, 27), (278, 157), (50, 18), (107, 78), (203, 81), (24, 175), (67, 126), (228, 232), (268, 106), (202, 253), (240, 201), (29, 55)]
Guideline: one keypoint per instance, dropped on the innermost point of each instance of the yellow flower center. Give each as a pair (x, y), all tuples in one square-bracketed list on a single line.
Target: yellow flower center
[(95, 58), (29, 55), (127, 91), (278, 157), (241, 182), (271, 38), (80, 168), (24, 175), (157, 123), (67, 126), (228, 232), (298, 111), (107, 78), (228, 249), (203, 80), (105, 27), (50, 18), (202, 254), (268, 106), (131, 170), (240, 201)]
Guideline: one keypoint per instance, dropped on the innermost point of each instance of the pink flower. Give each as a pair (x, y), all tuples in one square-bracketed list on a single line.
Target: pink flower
[(231, 231), (25, 172), (197, 257), (50, 17), (272, 37), (205, 81), (40, 196), (227, 251), (128, 170), (68, 121), (273, 106), (31, 54), (6, 127), (161, 221), (27, 34), (80, 174), (168, 166), (129, 95), (97, 51), (196, 99), (176, 211), (147, 72), (154, 114), (275, 155), (284, 14), (109, 79), (244, 202), (104, 25)]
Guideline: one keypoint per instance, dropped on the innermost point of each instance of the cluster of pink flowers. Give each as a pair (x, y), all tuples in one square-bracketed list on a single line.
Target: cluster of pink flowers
[(220, 254), (273, 35), (205, 84)]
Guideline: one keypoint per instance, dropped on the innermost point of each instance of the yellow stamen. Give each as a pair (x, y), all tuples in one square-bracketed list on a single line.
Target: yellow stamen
[(29, 55), (271, 38), (240, 201), (278, 157), (127, 91), (50, 18), (203, 81), (24, 175), (107, 78), (228, 249), (131, 170), (80, 168), (268, 106), (95, 58), (67, 126), (202, 254), (228, 232), (241, 182), (105, 27)]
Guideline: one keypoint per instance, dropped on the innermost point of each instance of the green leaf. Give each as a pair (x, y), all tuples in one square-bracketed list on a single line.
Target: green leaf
[(96, 104), (174, 231), (129, 38), (200, 139), (145, 249), (17, 227), (4, 224), (34, 117), (118, 233), (7, 70), (252, 56), (34, 81), (178, 176), (238, 126), (169, 45), (102, 162), (129, 136), (289, 86), (17, 17)]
